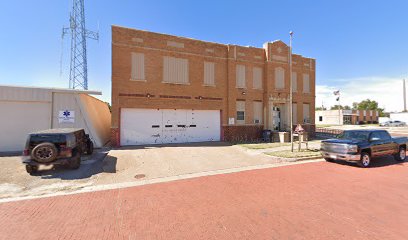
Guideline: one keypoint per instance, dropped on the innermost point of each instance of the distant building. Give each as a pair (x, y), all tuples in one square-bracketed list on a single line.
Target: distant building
[(345, 117)]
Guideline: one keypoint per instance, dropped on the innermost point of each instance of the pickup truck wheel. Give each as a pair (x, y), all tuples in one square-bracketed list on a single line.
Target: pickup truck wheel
[(400, 156), (365, 160), (329, 159), (31, 169), (75, 162)]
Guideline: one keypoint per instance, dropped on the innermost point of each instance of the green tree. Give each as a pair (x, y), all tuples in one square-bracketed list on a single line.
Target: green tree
[(320, 109), (337, 107), (369, 105)]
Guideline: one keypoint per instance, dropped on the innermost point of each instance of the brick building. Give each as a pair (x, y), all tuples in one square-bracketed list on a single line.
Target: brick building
[(175, 89)]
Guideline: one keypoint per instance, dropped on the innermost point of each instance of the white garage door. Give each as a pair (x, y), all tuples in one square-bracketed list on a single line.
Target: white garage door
[(157, 126)]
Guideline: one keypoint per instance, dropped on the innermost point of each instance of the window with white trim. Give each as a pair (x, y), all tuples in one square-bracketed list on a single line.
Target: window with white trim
[(257, 112), (240, 76), (257, 78), (175, 70), (137, 68), (279, 78), (306, 83), (240, 106), (209, 73)]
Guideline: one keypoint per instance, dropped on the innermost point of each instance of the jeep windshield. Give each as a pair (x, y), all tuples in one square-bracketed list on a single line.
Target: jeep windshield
[(355, 135)]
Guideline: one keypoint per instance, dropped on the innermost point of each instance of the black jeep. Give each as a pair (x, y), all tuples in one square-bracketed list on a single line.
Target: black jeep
[(56, 146)]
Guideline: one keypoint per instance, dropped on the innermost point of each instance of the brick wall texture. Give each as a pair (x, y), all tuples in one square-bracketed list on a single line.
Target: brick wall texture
[(153, 93)]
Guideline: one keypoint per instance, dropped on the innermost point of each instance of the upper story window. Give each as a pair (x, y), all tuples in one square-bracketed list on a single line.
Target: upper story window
[(137, 66), (306, 83), (209, 73), (294, 82), (257, 78), (240, 76), (175, 70), (279, 78)]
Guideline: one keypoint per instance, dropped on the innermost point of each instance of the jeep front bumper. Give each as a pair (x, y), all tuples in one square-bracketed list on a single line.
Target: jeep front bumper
[(342, 156)]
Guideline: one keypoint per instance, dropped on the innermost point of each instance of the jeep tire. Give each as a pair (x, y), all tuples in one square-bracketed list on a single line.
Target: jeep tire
[(44, 152), (89, 148), (31, 169), (75, 161)]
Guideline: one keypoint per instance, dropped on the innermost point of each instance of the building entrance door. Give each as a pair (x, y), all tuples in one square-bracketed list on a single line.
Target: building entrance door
[(276, 118)]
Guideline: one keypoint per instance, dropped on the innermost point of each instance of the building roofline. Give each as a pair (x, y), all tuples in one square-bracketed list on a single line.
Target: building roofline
[(61, 90)]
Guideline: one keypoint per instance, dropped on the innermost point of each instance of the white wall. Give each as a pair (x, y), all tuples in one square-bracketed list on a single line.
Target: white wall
[(329, 117), (17, 119)]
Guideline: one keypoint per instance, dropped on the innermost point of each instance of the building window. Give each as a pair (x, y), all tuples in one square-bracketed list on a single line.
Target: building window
[(294, 113), (306, 113), (137, 72), (240, 112), (294, 81), (175, 70), (209, 73), (258, 112), (240, 76), (320, 118), (257, 78), (279, 78), (306, 83)]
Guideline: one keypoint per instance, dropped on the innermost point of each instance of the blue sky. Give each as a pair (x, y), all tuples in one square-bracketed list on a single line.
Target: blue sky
[(361, 47)]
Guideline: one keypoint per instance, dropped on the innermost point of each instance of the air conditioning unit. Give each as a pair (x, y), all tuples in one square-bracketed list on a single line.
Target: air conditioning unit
[(257, 121)]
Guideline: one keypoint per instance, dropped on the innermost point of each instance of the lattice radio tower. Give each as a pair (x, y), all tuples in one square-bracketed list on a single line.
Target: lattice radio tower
[(78, 74)]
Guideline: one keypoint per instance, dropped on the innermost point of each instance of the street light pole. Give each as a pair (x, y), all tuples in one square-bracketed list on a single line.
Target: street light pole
[(290, 91)]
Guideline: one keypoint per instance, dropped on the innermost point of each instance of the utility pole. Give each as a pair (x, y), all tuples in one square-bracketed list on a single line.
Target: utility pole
[(290, 91), (78, 74)]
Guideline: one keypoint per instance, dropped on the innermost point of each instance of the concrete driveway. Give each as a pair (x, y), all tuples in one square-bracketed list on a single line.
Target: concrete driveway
[(159, 161)]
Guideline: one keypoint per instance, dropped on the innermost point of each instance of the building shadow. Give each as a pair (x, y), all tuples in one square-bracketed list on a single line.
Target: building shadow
[(90, 165)]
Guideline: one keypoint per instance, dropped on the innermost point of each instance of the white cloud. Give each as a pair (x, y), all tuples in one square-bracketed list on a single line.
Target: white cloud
[(386, 91)]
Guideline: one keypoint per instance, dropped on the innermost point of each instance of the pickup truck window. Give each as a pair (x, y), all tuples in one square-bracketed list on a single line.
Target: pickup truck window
[(384, 135), (359, 135)]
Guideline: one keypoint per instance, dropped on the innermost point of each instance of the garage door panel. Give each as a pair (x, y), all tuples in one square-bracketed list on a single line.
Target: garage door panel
[(170, 126)]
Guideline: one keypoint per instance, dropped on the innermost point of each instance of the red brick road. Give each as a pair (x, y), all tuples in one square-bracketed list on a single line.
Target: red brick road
[(308, 201)]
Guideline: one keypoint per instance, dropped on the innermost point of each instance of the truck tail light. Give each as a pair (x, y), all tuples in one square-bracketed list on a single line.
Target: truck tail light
[(66, 151), (26, 152)]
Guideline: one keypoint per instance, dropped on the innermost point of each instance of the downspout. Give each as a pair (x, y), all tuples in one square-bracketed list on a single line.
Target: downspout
[(52, 110)]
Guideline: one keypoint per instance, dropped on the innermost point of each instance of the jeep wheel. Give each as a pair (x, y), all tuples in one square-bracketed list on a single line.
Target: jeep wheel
[(365, 160), (31, 169), (89, 148), (400, 156), (75, 162), (44, 152)]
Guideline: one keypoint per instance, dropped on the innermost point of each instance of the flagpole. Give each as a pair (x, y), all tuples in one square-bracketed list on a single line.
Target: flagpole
[(290, 91)]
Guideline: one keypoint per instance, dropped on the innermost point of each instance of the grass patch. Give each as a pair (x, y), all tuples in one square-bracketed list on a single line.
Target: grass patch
[(264, 145), (295, 154)]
